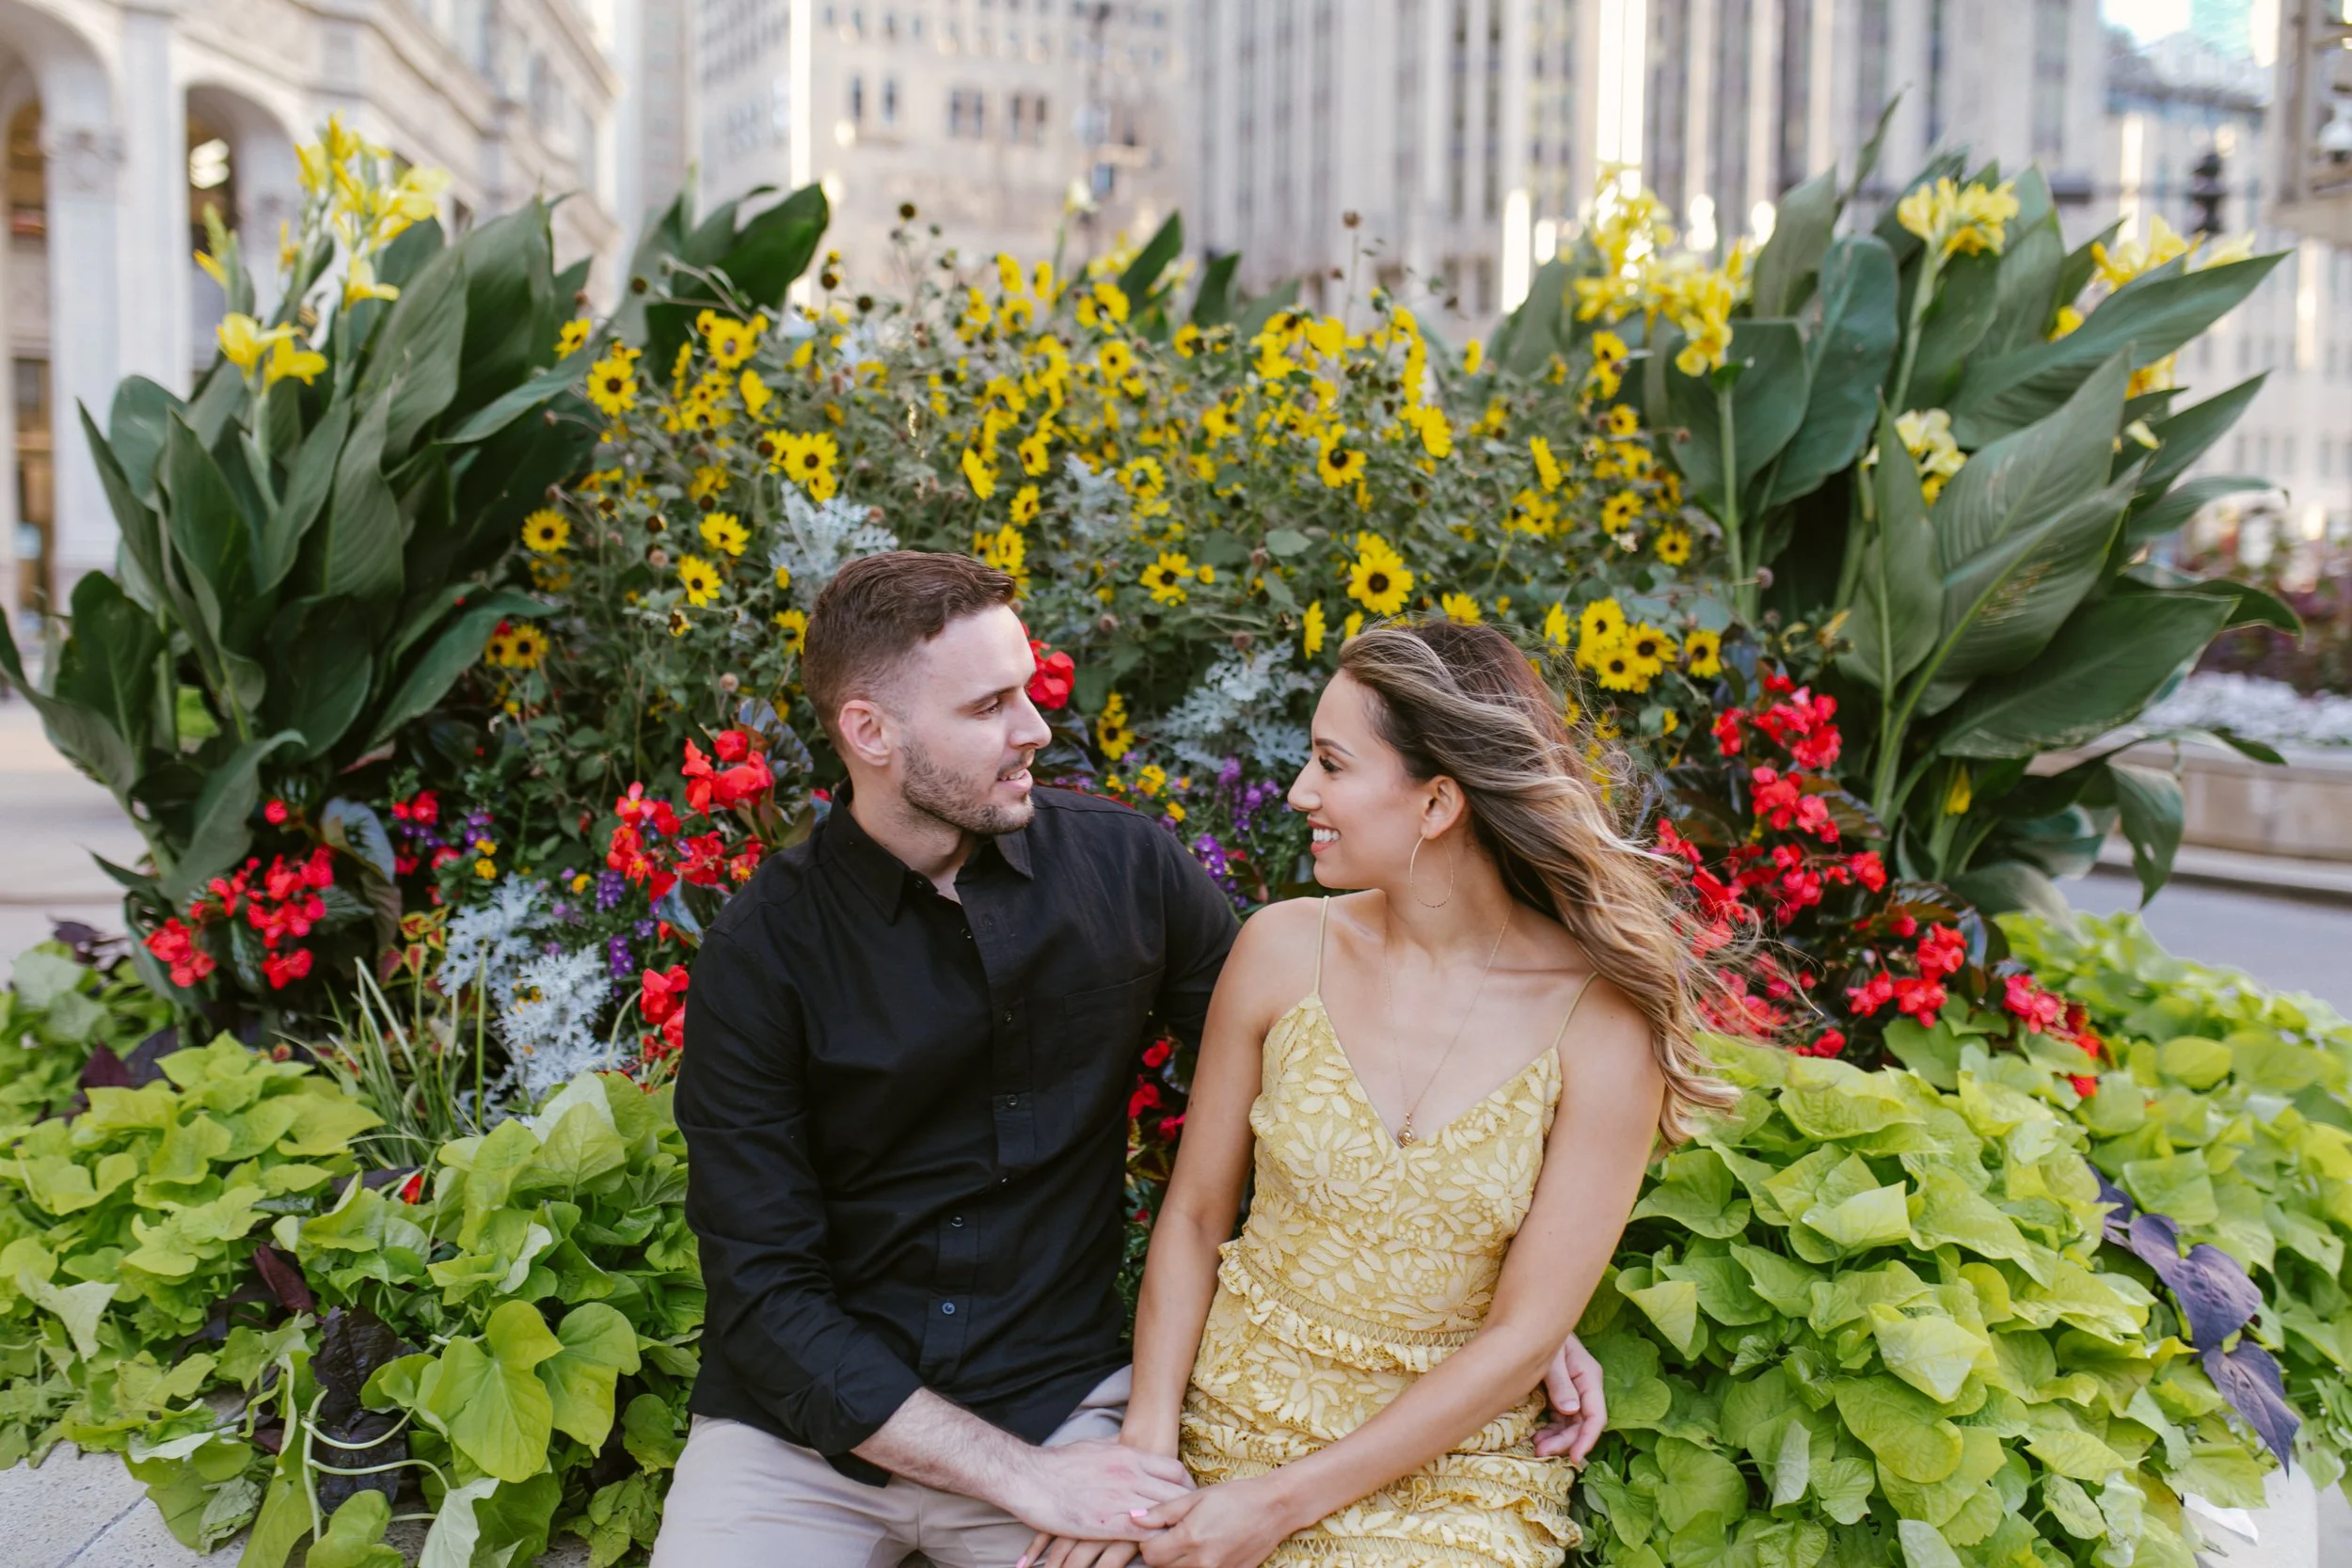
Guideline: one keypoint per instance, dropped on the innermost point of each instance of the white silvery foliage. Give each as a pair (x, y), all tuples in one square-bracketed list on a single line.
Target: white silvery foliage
[(2255, 709), (1098, 503), (818, 539), (549, 1022), (487, 944), (1237, 709)]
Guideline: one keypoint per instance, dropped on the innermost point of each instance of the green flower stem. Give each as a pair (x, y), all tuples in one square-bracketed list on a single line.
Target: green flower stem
[(1743, 589), (1929, 270)]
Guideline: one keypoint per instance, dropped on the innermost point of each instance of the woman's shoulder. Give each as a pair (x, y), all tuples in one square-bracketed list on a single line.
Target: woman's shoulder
[(1608, 1035)]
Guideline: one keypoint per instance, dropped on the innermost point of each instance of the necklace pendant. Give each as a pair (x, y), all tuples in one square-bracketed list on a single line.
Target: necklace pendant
[(1404, 1136)]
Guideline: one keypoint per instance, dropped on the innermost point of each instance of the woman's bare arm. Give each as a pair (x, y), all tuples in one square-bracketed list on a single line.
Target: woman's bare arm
[(1265, 974), (1600, 1143)]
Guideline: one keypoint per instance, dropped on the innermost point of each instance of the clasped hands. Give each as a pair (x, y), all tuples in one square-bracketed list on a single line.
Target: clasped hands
[(1235, 1525)]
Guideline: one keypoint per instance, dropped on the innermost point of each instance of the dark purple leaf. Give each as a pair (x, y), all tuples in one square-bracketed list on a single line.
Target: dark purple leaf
[(146, 1061), (283, 1276), (2216, 1296), (2248, 1379), (353, 1343), (2120, 1210), (104, 1071)]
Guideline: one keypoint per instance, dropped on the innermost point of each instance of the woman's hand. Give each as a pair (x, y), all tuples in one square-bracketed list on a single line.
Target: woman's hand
[(1047, 1551), (1233, 1525), (1580, 1410)]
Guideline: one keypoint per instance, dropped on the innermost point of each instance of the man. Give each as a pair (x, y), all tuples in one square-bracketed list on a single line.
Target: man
[(909, 1046)]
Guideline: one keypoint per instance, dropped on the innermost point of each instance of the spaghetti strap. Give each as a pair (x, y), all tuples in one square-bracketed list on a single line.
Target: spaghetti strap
[(1322, 924), (1574, 1002)]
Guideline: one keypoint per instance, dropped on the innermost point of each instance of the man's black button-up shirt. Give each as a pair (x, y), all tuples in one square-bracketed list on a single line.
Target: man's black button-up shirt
[(906, 1117)]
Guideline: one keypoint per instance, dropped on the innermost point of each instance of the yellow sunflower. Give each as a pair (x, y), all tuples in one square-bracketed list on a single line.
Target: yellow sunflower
[(1340, 467), (574, 333), (1650, 648), (978, 474), (1311, 630), (1703, 654), (1378, 579), (1618, 672), (808, 462), (1556, 625), (792, 631), (1036, 455), (1116, 361), (1111, 731), (1547, 466), (1603, 620), (1461, 609), (545, 532), (1620, 511), (1026, 504), (1673, 544), (526, 645), (722, 532), (1164, 579), (1621, 420), (730, 342), (613, 381), (700, 579)]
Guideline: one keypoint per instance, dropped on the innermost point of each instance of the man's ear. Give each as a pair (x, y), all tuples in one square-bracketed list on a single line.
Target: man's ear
[(864, 732)]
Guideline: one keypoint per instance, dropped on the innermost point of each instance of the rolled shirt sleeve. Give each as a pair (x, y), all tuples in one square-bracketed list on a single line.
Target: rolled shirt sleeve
[(758, 1210)]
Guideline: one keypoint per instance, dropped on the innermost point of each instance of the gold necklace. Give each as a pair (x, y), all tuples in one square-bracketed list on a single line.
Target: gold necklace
[(1406, 1136)]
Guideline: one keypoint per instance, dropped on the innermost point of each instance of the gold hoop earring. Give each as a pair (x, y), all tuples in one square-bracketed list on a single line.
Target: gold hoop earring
[(1413, 860)]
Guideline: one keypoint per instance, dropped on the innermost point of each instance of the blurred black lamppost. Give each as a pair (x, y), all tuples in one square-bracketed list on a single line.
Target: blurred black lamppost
[(2206, 193)]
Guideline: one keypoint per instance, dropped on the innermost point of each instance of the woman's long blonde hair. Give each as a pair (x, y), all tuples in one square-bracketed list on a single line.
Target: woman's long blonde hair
[(1463, 700)]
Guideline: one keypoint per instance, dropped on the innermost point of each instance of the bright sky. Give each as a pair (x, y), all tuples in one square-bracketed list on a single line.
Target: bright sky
[(2147, 19)]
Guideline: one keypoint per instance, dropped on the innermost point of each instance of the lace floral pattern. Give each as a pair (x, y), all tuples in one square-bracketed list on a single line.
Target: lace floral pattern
[(1362, 1265)]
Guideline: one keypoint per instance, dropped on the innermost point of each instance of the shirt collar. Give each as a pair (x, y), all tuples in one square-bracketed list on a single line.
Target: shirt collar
[(880, 875)]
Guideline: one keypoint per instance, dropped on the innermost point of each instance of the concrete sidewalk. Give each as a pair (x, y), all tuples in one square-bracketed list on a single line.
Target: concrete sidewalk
[(51, 819)]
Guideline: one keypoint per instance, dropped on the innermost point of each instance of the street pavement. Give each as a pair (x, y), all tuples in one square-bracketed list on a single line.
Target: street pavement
[(85, 1511)]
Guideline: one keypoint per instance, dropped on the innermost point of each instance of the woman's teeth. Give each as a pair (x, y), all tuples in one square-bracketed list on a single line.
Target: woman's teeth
[(1324, 835)]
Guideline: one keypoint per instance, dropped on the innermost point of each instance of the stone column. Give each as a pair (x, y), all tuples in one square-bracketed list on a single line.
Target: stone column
[(155, 244), (84, 308)]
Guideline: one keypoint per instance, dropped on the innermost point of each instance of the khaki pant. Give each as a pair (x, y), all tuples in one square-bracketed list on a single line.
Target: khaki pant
[(745, 1499)]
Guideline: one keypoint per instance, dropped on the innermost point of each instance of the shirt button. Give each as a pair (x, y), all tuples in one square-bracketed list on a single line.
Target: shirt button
[(946, 1308), (1012, 1101), (956, 1220), (1007, 1015)]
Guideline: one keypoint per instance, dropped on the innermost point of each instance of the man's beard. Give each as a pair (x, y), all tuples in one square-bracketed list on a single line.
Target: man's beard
[(960, 800)]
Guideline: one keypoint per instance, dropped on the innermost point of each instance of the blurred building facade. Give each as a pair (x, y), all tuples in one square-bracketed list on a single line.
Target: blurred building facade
[(1015, 125), (125, 122)]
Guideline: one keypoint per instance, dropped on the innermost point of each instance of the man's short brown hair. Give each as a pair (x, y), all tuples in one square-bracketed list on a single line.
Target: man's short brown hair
[(881, 607)]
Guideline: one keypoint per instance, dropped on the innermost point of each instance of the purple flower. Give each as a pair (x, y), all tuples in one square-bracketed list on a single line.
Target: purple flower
[(610, 885), (1229, 774), (618, 959), (645, 930)]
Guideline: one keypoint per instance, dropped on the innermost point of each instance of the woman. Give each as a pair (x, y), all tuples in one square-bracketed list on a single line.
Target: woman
[(1479, 1046)]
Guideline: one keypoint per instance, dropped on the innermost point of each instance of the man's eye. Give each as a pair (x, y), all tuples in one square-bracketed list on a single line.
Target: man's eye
[(993, 705)]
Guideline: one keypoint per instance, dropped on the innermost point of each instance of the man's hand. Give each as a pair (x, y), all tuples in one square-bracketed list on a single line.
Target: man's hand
[(1580, 1410), (1047, 1551), (1091, 1490)]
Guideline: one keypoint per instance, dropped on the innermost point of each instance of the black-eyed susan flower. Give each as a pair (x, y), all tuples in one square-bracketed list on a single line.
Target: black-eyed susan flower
[(573, 334), (1116, 361), (1618, 672), (1602, 620), (1673, 544), (613, 381), (1703, 654), (1340, 466), (979, 474), (1378, 579), (1621, 420), (725, 534), (1556, 625), (1547, 467), (1649, 647), (546, 531), (1620, 511), (1112, 734), (1165, 580), (1311, 630), (1349, 628), (700, 579), (1036, 453), (526, 645), (1025, 505), (1461, 609), (792, 631), (808, 462)]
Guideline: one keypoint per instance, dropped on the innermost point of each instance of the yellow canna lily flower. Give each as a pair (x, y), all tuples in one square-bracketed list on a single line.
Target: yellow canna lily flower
[(361, 284), (212, 268), (243, 341), (288, 359)]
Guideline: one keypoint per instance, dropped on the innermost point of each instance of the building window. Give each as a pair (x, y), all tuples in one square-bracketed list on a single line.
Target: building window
[(2052, 20), (1026, 118), (890, 101), (857, 99), (967, 114)]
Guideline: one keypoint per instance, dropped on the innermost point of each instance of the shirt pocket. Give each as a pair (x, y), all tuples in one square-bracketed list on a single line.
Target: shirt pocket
[(1091, 1050)]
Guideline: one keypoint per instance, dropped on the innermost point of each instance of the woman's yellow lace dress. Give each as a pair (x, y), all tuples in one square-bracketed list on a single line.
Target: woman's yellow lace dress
[(1363, 1264)]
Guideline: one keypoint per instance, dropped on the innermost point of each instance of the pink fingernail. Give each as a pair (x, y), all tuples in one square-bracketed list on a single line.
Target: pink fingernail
[(1137, 1514)]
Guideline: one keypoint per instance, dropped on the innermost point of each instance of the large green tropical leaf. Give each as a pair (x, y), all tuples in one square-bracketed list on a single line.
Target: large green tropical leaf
[(2172, 511), (136, 422), (1767, 401), (358, 546), (309, 477), (320, 693), (457, 647), (1893, 620), (2002, 605), (211, 540), (81, 734), (2026, 295), (1801, 226), (1142, 277), (141, 530), (108, 665), (511, 305), (1848, 350), (1967, 296), (2151, 813), (1531, 335), (2104, 666), (2033, 473), (2184, 437), (418, 351), (1213, 302), (775, 247), (2150, 318)]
